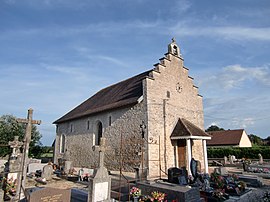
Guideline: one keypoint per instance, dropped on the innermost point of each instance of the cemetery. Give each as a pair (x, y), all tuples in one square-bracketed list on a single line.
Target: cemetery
[(155, 150), (63, 182)]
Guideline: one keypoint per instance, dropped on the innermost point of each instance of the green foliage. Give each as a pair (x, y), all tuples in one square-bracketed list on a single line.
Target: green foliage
[(256, 140), (9, 128), (213, 128), (238, 152)]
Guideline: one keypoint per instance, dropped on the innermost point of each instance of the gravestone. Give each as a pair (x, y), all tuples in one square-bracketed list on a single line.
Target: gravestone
[(67, 166), (1, 194), (15, 145), (14, 163), (47, 172), (100, 182), (193, 167), (260, 159), (33, 167), (80, 174), (221, 170), (178, 175), (48, 194), (225, 160), (231, 159)]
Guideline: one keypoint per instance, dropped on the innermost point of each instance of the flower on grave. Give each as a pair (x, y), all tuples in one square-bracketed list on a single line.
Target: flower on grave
[(232, 178), (220, 194), (11, 185), (156, 196), (218, 180), (242, 185), (135, 192)]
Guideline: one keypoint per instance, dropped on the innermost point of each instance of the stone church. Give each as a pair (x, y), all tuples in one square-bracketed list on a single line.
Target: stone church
[(152, 121)]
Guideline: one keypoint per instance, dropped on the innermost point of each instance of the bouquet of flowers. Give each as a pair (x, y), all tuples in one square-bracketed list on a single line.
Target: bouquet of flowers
[(135, 192), (156, 196)]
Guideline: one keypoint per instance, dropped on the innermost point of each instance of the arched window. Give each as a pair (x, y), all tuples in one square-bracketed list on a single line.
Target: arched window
[(62, 143), (175, 50), (98, 133)]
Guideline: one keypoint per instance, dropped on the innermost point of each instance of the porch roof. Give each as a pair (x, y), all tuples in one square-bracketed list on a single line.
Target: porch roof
[(184, 129)]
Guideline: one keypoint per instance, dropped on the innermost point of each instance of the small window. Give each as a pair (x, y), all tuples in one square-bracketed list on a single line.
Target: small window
[(110, 120), (71, 128), (88, 125), (62, 143), (168, 94), (98, 133)]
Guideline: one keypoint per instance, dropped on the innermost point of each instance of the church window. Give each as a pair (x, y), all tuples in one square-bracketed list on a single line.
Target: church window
[(110, 120), (168, 94), (62, 143), (88, 125), (71, 128), (98, 133)]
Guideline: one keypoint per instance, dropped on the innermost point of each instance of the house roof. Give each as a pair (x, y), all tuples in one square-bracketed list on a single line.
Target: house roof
[(184, 129), (225, 137), (119, 95)]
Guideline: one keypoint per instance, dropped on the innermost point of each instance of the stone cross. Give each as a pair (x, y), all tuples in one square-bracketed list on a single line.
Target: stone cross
[(101, 150), (15, 145), (100, 182), (27, 138)]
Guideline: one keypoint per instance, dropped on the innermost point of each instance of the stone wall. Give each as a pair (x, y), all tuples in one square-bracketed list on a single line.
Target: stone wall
[(122, 137), (171, 94)]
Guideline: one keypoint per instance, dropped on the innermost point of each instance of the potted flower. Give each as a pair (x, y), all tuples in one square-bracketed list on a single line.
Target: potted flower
[(135, 192)]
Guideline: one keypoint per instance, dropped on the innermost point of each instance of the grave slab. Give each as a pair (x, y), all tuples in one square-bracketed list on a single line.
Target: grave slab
[(48, 194), (173, 191)]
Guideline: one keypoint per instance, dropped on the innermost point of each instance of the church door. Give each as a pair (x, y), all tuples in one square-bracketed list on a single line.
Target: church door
[(181, 148)]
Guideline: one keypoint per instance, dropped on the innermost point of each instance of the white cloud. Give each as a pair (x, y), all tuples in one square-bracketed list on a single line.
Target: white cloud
[(234, 76), (242, 123), (225, 32)]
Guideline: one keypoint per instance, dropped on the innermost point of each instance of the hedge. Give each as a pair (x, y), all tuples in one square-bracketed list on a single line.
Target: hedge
[(249, 153)]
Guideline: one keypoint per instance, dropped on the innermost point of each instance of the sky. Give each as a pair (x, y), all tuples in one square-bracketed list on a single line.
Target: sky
[(54, 54)]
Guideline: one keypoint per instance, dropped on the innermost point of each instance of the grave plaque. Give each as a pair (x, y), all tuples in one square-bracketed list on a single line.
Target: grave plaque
[(48, 194), (101, 195)]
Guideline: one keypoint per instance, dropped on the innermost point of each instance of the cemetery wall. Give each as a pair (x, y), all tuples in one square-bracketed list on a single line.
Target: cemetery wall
[(171, 94)]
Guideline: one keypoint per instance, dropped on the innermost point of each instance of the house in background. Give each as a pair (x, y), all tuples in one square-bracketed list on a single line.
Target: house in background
[(229, 138)]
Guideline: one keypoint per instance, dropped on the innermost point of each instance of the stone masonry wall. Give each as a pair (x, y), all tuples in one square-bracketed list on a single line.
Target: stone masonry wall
[(79, 142), (170, 95)]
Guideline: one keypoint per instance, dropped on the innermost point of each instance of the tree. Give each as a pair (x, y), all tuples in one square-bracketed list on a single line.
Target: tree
[(9, 128), (255, 140), (213, 128)]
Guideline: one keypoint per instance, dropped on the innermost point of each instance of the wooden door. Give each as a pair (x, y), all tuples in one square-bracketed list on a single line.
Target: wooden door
[(181, 148)]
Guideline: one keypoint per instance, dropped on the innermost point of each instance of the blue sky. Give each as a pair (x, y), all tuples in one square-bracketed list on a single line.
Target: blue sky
[(54, 54)]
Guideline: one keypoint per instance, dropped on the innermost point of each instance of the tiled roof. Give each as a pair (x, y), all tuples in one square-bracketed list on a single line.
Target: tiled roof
[(225, 137), (119, 95), (185, 128)]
